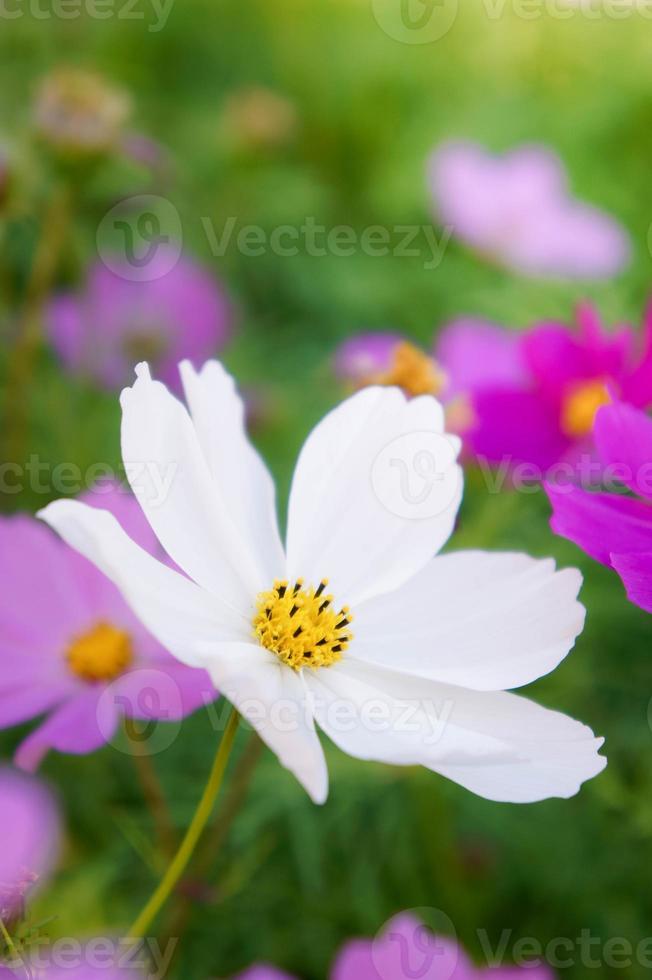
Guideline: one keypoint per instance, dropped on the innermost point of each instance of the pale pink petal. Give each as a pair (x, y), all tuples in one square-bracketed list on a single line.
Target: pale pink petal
[(81, 725)]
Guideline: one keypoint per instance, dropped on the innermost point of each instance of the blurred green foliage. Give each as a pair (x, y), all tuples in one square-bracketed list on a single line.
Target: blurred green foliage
[(293, 881)]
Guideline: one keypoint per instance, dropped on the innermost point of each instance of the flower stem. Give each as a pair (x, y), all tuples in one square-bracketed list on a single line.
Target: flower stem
[(213, 840), (152, 792), (11, 946), (46, 257), (204, 809)]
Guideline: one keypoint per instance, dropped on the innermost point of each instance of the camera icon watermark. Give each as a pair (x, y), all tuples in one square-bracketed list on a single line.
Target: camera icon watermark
[(416, 476), (140, 238), (415, 21)]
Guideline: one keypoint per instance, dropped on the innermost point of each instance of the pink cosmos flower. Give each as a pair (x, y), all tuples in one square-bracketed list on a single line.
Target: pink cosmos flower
[(29, 832), (517, 209), (93, 961), (387, 358), (534, 396), (177, 311), (72, 650), (614, 529), (466, 353), (407, 949)]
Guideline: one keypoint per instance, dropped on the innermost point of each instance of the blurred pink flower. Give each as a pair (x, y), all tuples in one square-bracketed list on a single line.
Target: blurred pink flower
[(387, 358), (534, 396), (115, 322), (93, 960), (72, 649), (263, 972), (30, 833), (407, 949), (466, 352), (517, 209), (614, 529)]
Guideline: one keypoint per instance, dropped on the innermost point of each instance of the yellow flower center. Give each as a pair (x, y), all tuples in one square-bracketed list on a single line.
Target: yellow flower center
[(412, 370), (102, 654), (581, 406), (300, 625)]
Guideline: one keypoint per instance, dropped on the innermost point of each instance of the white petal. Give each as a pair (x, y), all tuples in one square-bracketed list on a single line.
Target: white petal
[(171, 479), (274, 700), (480, 620), (176, 611), (375, 494), (247, 489), (500, 746)]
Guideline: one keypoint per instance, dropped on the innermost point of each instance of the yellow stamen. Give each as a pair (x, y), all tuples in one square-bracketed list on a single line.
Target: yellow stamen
[(412, 370), (300, 626), (102, 654), (581, 406)]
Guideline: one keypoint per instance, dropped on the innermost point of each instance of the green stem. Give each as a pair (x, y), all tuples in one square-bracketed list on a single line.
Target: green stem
[(202, 814), (9, 943), (46, 257), (152, 792), (238, 789)]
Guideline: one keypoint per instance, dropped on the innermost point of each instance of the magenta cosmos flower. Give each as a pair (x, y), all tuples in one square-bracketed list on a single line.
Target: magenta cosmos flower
[(615, 529), (71, 648), (404, 950), (534, 396), (178, 311), (30, 832), (517, 209)]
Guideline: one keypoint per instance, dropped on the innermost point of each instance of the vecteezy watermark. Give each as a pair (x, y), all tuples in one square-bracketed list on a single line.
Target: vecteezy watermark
[(415, 21), (420, 718), (140, 238), (415, 476), (428, 21), (154, 479), (101, 956), (153, 705), (563, 952), (584, 472), (319, 241), (568, 9), (153, 13), (415, 945), (420, 943)]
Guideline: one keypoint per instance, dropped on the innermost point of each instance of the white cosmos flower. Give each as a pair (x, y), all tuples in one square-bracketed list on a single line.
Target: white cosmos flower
[(400, 657)]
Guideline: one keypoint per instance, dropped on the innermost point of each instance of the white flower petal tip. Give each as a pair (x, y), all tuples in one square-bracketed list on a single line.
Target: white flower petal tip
[(142, 373), (480, 620), (142, 370), (559, 772), (497, 745)]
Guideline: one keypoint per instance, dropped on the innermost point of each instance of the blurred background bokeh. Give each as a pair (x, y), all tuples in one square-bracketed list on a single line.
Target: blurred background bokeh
[(271, 113)]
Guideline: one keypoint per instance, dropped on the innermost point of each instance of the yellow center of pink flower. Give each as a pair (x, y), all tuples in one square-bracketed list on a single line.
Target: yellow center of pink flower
[(412, 370), (300, 626), (581, 406), (102, 654)]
